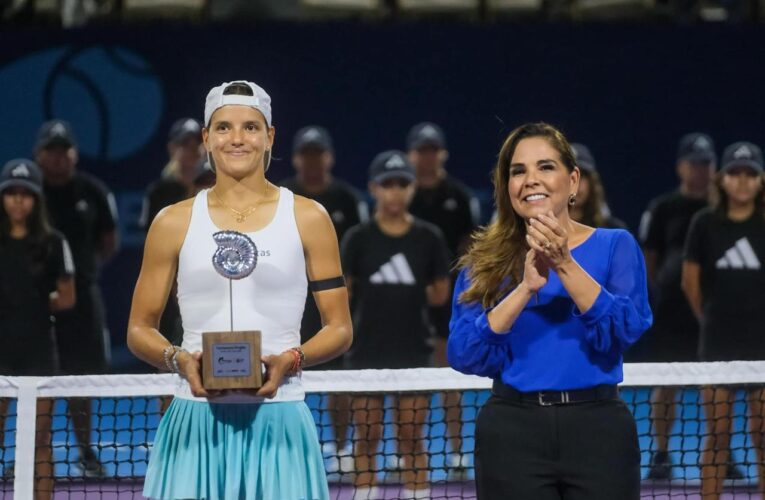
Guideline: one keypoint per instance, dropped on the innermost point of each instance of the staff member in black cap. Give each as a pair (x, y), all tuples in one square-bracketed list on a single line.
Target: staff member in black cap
[(83, 209), (724, 280), (313, 157), (36, 278), (675, 332), (395, 266), (446, 202)]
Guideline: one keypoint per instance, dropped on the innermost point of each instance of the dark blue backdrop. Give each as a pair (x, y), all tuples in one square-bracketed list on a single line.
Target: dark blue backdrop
[(627, 91)]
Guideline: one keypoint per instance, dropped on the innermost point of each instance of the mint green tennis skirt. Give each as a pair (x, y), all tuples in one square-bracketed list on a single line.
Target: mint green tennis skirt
[(266, 451)]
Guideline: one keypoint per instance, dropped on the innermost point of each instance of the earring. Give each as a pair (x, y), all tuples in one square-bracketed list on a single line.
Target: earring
[(572, 200)]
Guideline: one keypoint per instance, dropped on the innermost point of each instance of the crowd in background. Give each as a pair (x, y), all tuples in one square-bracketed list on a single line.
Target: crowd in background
[(58, 225)]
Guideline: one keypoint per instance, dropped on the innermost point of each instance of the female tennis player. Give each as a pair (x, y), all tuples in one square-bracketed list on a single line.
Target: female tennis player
[(546, 306), (233, 444)]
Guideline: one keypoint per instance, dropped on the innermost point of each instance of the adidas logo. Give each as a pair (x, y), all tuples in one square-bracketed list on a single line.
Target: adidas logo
[(742, 152), (394, 272), (395, 162), (740, 256), (20, 171)]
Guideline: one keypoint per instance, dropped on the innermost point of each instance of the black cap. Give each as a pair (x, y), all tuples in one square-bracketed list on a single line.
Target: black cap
[(742, 154), (696, 148), (583, 157), (183, 129), (22, 173), (312, 136), (56, 133), (390, 165), (426, 134)]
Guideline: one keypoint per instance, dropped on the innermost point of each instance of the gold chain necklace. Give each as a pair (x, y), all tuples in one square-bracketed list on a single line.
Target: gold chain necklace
[(240, 216)]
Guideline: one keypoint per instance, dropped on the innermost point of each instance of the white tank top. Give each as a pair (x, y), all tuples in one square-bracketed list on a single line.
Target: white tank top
[(271, 299)]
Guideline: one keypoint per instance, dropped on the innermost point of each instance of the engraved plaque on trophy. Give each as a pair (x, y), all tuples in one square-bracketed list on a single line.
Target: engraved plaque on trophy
[(231, 359)]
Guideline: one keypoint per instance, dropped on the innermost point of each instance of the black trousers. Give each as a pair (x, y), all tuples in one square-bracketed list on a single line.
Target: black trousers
[(582, 451)]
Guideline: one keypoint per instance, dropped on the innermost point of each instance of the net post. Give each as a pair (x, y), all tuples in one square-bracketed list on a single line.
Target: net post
[(26, 426)]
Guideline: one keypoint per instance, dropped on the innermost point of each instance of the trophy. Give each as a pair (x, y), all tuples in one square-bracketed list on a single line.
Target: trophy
[(231, 360)]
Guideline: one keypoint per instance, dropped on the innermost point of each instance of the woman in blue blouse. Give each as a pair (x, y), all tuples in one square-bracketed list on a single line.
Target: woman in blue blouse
[(546, 306)]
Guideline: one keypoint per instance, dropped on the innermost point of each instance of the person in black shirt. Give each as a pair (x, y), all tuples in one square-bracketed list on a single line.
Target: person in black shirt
[(83, 209), (674, 335), (590, 207), (313, 157), (444, 201), (395, 265), (36, 278), (724, 279), (184, 147)]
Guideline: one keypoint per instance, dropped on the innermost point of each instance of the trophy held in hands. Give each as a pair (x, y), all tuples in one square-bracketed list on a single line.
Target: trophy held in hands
[(231, 360)]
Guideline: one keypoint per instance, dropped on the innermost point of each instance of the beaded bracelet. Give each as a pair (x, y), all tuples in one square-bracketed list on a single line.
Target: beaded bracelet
[(300, 352), (167, 352), (174, 359), (298, 361)]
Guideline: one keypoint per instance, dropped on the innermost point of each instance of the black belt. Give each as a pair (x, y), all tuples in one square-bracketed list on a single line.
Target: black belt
[(549, 398)]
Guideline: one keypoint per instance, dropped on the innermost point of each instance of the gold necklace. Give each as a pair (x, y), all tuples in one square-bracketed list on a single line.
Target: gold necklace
[(240, 216)]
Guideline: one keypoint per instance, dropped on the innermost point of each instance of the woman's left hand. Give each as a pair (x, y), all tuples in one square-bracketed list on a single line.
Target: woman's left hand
[(549, 239), (277, 366)]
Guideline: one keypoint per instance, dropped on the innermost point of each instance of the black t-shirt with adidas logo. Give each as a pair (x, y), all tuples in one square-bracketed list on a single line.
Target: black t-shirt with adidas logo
[(731, 255), (389, 277)]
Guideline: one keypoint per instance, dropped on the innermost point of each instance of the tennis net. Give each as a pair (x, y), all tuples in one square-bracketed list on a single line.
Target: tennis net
[(401, 428)]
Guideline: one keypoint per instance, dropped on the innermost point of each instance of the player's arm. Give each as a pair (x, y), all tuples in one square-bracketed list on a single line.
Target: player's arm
[(160, 262), (325, 279), (325, 275)]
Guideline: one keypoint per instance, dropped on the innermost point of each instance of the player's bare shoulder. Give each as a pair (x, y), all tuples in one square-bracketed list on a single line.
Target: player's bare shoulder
[(308, 211), (313, 221), (172, 222)]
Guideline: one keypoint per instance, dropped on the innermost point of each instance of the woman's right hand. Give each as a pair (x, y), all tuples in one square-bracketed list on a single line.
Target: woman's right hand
[(535, 271), (190, 368)]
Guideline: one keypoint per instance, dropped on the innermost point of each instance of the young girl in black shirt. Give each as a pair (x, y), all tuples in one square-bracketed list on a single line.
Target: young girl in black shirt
[(724, 280), (395, 266), (36, 278)]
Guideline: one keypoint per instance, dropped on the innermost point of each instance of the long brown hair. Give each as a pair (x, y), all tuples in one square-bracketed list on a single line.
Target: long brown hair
[(497, 253)]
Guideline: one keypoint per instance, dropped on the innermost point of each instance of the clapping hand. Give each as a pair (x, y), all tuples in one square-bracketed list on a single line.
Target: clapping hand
[(548, 239), (535, 271)]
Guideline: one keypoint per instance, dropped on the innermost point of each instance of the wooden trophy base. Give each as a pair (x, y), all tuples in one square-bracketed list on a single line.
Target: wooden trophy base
[(231, 360)]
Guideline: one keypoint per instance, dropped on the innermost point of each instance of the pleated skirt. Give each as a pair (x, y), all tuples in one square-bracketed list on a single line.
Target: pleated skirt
[(266, 451)]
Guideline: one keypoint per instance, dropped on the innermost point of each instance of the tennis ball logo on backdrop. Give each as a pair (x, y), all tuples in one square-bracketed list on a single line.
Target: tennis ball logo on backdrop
[(110, 95)]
